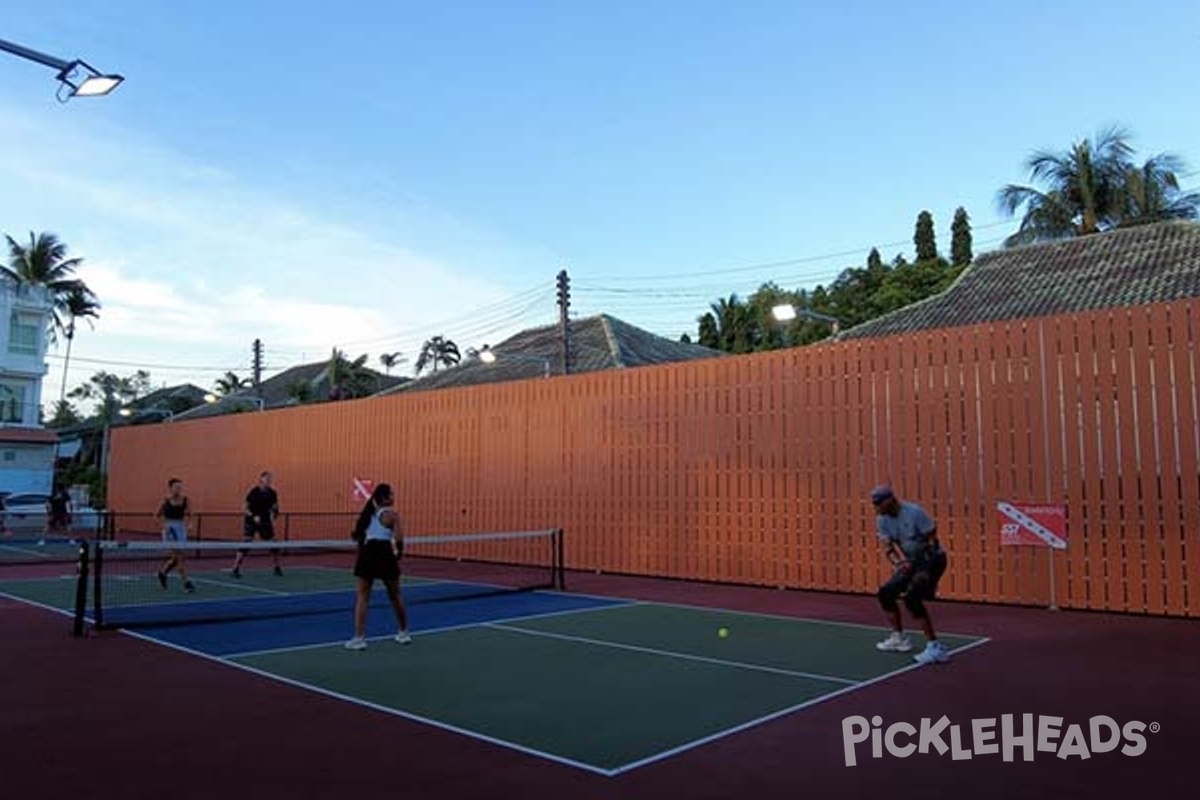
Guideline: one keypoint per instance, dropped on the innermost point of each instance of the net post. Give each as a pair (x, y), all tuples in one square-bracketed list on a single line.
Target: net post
[(81, 587), (98, 568)]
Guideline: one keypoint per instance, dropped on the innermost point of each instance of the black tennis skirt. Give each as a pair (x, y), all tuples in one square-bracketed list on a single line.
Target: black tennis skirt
[(376, 560)]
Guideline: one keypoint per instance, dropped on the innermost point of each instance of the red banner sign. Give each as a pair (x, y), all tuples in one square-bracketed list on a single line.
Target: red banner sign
[(1040, 525), (361, 491)]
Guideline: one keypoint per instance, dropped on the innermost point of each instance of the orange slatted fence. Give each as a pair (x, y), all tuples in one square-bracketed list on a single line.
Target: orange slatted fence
[(755, 469)]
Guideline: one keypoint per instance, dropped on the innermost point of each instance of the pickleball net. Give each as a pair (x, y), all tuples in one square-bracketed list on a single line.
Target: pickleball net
[(119, 584)]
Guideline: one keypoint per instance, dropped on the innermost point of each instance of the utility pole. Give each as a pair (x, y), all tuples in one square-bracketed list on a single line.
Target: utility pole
[(564, 304), (258, 366)]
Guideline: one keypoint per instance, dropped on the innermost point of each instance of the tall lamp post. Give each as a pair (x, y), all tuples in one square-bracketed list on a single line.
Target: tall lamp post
[(488, 356), (78, 78)]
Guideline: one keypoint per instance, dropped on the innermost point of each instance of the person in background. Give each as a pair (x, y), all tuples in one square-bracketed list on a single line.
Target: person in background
[(908, 536), (262, 508), (58, 511), (381, 545), (176, 521)]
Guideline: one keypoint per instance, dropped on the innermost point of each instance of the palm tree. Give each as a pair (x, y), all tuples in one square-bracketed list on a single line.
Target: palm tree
[(737, 329), (1094, 187), (80, 304), (1082, 189), (44, 263), (230, 383), (390, 360), (438, 351), (1151, 193), (349, 379)]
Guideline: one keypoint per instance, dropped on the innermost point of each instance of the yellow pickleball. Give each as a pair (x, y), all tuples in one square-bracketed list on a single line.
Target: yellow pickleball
[(723, 633)]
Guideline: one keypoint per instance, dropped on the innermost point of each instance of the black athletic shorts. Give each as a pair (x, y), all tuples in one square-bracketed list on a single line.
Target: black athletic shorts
[(377, 561)]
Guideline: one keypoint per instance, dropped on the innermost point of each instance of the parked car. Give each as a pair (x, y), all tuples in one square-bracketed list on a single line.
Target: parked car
[(25, 512)]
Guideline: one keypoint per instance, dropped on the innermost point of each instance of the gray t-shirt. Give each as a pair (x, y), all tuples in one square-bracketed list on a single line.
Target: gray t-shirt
[(910, 529)]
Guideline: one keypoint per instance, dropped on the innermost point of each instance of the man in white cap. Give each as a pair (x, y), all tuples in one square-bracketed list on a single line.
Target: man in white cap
[(908, 536)]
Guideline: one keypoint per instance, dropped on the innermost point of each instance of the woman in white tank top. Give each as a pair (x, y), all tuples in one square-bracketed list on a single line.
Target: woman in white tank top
[(381, 543)]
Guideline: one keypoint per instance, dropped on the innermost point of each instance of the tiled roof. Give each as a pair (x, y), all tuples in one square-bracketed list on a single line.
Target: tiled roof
[(598, 343), (28, 435), (276, 391), (1127, 267)]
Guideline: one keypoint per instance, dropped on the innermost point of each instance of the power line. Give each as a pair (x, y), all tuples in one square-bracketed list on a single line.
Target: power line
[(141, 365), (790, 261), (500, 306)]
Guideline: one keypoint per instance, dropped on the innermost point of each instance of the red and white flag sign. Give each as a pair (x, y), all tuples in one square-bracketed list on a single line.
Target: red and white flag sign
[(362, 489), (1042, 525)]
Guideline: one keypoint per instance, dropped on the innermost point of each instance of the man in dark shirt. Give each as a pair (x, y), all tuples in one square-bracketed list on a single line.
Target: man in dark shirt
[(262, 507), (59, 508)]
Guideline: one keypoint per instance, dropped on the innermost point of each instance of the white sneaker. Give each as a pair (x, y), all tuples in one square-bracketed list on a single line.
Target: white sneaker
[(403, 638), (357, 643), (934, 653), (896, 643)]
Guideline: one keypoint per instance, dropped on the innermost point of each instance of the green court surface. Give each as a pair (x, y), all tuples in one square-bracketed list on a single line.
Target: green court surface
[(605, 689), (603, 684), (34, 550)]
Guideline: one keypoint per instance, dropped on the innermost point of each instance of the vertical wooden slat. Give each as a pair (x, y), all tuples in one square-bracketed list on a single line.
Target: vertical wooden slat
[(1146, 351), (1121, 389), (1185, 325)]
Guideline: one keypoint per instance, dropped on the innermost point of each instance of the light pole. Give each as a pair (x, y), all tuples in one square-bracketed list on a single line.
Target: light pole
[(786, 312), (488, 356), (78, 78)]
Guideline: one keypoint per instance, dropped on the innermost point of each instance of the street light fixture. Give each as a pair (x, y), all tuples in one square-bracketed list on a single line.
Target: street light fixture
[(130, 412), (488, 356), (78, 78), (786, 312), (258, 401)]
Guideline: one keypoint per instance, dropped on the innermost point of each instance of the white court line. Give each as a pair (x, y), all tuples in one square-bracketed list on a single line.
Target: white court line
[(416, 634), (375, 706), (35, 604), (25, 551), (767, 615), (549, 756), (244, 586), (671, 654), (674, 751)]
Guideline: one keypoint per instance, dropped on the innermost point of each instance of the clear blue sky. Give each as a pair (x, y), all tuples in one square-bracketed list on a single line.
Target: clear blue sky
[(369, 174)]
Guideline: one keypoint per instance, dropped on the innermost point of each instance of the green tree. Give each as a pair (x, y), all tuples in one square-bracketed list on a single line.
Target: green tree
[(78, 303), (960, 241), (44, 263), (231, 383), (349, 379), (438, 351), (112, 392), (65, 415), (707, 333), (1151, 193), (1093, 187), (390, 360), (874, 261), (924, 238)]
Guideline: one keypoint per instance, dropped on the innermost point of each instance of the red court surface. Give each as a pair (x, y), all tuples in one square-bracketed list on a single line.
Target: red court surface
[(114, 716)]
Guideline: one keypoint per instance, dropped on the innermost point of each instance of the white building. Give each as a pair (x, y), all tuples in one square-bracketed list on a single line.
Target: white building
[(26, 448)]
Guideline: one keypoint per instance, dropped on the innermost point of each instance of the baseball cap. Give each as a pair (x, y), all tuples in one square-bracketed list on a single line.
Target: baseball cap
[(881, 493)]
